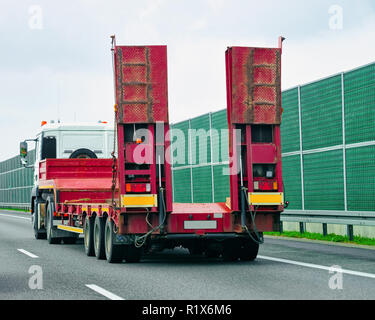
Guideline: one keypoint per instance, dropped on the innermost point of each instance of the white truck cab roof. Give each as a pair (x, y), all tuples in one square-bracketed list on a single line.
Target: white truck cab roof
[(76, 126), (65, 139), (73, 140)]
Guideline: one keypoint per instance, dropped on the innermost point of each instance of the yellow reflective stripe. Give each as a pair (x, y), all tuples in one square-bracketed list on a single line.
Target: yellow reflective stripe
[(139, 200), (46, 187), (266, 198), (71, 229), (105, 210)]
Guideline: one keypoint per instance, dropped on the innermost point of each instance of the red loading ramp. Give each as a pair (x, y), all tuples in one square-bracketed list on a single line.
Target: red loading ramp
[(254, 81), (141, 84)]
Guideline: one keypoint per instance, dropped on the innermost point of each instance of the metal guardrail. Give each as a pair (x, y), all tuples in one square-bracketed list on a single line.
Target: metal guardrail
[(361, 218), (348, 218)]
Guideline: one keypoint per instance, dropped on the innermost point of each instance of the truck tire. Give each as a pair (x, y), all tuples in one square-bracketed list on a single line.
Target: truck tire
[(132, 253), (249, 250), (38, 233), (114, 253), (88, 231), (83, 154), (99, 247), (231, 250), (49, 220)]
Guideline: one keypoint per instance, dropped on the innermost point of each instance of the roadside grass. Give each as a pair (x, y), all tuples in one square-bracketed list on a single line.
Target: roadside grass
[(318, 236), (14, 209)]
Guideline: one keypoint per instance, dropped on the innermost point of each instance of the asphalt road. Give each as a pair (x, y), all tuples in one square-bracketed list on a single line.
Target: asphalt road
[(284, 269)]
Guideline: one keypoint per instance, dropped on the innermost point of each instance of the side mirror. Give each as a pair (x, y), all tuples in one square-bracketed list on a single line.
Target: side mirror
[(23, 153)]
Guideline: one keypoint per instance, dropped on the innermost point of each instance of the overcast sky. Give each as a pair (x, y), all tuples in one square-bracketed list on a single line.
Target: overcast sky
[(55, 56)]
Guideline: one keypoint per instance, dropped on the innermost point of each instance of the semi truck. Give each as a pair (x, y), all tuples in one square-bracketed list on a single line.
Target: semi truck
[(123, 205), (64, 140)]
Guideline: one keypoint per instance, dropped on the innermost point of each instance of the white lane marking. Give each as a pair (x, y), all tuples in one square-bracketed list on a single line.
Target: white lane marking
[(28, 253), (317, 266), (17, 217), (104, 292)]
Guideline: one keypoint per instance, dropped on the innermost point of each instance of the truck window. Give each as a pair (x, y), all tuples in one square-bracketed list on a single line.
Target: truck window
[(48, 148)]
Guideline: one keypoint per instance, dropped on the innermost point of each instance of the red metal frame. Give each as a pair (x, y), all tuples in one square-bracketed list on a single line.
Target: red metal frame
[(253, 98), (142, 98), (77, 180), (84, 186)]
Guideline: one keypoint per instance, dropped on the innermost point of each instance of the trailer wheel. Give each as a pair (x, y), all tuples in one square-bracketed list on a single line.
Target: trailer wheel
[(99, 238), (50, 210), (132, 253), (249, 250), (114, 253), (231, 250), (38, 234), (89, 236)]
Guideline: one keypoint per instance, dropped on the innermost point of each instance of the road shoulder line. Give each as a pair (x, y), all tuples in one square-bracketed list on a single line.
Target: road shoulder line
[(317, 266)]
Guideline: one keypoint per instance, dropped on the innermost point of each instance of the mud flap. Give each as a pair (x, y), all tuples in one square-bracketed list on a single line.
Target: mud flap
[(58, 233)]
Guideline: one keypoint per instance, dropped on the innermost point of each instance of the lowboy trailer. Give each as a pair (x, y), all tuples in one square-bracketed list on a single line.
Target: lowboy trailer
[(123, 206)]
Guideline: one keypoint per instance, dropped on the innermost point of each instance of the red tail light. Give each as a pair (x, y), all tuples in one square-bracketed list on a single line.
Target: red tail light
[(265, 185), (137, 187)]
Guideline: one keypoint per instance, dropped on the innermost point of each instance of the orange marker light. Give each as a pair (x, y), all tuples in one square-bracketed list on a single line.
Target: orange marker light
[(43, 123)]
